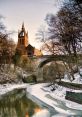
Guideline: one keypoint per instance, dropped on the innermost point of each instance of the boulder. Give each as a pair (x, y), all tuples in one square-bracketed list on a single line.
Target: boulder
[(30, 79)]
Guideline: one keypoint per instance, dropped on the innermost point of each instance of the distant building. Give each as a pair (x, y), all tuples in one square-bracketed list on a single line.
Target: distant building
[(23, 45)]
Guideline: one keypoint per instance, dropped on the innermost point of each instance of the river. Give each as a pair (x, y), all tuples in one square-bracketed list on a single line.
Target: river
[(19, 104)]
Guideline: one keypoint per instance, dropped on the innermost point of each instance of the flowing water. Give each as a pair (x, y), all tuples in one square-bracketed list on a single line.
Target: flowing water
[(17, 104)]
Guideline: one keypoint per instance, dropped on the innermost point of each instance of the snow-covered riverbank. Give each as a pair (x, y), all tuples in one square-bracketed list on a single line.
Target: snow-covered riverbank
[(55, 99), (10, 87)]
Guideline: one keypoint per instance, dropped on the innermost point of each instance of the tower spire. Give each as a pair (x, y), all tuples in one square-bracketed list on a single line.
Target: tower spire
[(23, 25)]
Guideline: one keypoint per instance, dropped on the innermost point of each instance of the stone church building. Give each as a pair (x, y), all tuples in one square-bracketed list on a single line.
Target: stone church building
[(23, 45)]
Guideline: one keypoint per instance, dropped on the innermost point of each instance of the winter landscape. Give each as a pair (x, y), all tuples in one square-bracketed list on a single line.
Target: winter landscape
[(40, 58)]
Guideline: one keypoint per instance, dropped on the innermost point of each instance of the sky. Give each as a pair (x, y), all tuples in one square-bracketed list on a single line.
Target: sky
[(31, 12)]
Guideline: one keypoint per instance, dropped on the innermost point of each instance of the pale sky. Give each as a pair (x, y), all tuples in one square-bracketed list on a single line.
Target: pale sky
[(31, 12)]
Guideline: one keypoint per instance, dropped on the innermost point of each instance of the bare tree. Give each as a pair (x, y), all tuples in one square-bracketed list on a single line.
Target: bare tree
[(49, 45), (66, 27), (64, 32), (7, 46)]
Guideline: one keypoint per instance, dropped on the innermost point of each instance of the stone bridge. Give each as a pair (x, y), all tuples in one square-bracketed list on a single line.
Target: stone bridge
[(41, 61)]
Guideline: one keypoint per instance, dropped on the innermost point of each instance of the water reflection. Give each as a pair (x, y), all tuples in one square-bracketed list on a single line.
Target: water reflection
[(41, 113), (16, 104)]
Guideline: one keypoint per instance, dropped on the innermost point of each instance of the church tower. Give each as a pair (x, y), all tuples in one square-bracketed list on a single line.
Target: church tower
[(23, 46), (22, 40)]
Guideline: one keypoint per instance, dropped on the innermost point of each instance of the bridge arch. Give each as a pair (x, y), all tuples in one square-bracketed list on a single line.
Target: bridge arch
[(43, 60), (48, 60), (63, 58)]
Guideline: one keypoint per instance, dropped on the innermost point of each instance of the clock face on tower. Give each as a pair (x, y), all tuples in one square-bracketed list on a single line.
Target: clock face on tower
[(21, 34)]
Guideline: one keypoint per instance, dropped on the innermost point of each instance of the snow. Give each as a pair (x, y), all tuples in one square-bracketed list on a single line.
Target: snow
[(77, 77), (73, 105), (59, 115), (9, 87), (58, 94), (36, 91), (64, 111), (57, 97)]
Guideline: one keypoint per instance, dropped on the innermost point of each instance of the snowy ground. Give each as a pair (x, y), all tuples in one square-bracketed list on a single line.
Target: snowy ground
[(9, 87), (55, 99), (78, 78)]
